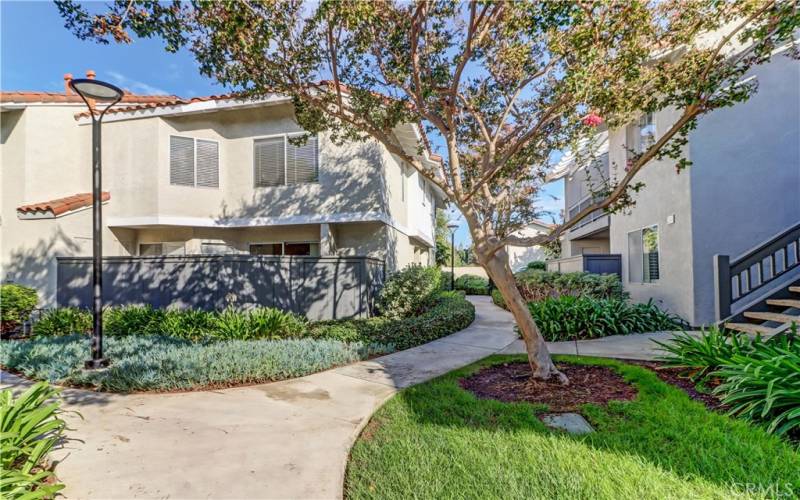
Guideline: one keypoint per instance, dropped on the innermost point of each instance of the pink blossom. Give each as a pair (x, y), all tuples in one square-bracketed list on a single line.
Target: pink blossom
[(592, 120)]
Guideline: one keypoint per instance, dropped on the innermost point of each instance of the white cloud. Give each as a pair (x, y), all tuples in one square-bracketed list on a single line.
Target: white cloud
[(134, 86)]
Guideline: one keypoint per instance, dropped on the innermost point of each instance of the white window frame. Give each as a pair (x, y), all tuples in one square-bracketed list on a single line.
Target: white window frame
[(640, 129), (286, 136), (194, 162), (641, 263)]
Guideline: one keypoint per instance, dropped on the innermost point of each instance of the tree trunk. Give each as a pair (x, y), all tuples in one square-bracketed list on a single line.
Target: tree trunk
[(538, 356)]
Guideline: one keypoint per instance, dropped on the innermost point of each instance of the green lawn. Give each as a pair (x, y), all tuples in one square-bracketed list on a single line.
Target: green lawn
[(439, 441)]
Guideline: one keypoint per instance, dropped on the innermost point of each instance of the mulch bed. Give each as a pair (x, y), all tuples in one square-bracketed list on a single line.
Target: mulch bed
[(673, 377), (511, 382)]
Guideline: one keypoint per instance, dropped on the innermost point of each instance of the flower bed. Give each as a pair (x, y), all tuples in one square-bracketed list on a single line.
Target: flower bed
[(157, 363)]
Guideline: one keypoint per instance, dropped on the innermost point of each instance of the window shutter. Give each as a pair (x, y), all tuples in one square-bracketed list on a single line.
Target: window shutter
[(207, 163), (181, 161), (301, 162), (270, 162)]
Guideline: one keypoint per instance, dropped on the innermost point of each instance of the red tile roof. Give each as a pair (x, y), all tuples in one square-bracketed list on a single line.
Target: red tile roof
[(61, 97), (63, 205), (171, 101)]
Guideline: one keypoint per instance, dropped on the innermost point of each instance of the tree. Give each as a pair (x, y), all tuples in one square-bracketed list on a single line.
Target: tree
[(443, 248), (500, 85)]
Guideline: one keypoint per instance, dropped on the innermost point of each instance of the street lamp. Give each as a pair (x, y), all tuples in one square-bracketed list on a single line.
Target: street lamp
[(452, 227), (94, 91)]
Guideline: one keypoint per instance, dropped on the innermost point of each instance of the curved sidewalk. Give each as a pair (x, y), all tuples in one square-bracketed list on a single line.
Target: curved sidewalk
[(287, 439)]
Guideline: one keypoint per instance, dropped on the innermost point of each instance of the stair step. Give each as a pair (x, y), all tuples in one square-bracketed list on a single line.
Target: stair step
[(784, 302), (768, 316), (795, 289), (748, 328)]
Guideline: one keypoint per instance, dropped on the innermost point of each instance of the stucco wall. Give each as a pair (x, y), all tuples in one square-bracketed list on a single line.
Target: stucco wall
[(665, 194), (46, 154), (746, 174), (570, 248), (42, 158)]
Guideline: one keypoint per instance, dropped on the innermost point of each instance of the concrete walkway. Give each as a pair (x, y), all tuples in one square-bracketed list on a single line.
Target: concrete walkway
[(281, 440)]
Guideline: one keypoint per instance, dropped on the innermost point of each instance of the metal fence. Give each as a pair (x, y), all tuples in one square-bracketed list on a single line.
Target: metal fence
[(317, 287)]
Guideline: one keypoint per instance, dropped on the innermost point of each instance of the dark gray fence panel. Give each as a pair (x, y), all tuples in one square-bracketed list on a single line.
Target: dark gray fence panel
[(603, 264), (318, 287)]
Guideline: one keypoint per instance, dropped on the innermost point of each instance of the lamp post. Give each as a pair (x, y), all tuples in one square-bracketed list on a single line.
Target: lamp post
[(452, 227), (93, 91)]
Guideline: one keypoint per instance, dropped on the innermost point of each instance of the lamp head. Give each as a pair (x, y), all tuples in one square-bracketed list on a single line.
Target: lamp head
[(96, 90), (452, 227)]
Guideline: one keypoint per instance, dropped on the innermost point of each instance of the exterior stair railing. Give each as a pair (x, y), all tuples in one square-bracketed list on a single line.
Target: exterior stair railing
[(738, 279)]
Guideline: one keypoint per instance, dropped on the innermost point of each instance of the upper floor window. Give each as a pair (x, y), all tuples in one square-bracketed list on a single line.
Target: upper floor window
[(647, 132), (193, 162), (278, 162), (644, 264)]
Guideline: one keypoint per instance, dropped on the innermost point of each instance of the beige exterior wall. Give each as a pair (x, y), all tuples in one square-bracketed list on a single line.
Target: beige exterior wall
[(571, 248), (362, 194)]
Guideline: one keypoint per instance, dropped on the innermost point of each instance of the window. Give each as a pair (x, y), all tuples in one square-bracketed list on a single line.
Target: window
[(643, 255), (216, 248), (278, 162), (310, 248), (402, 182), (647, 132), (266, 249), (166, 248), (193, 162)]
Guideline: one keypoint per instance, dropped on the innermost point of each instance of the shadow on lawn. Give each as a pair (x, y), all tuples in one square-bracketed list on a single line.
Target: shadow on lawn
[(662, 426)]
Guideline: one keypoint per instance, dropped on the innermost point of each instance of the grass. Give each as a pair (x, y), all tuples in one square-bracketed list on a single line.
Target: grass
[(436, 440), (155, 363)]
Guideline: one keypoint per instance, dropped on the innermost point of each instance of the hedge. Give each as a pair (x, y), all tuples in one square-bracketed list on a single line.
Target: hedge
[(449, 313), (576, 318), (16, 304), (536, 285), (409, 291), (190, 324)]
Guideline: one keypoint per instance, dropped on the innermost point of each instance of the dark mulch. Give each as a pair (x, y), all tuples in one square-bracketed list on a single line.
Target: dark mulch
[(511, 382), (673, 377)]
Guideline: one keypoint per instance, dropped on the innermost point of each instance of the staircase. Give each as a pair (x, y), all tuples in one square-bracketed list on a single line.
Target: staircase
[(772, 317), (758, 293)]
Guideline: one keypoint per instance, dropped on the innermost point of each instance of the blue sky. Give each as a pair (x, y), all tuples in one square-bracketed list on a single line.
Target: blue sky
[(36, 51)]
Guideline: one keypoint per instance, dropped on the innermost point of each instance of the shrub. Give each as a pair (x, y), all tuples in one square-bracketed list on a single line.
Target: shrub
[(536, 285), (132, 320), (763, 385), (538, 265), (700, 355), (30, 426), (258, 323), (16, 304), (758, 379), (190, 324), (409, 291), (498, 299), (472, 284), (63, 321), (157, 363), (449, 313), (570, 318), (446, 280)]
